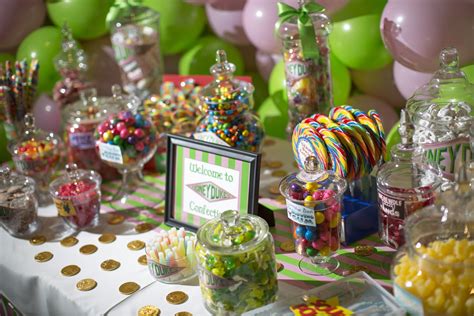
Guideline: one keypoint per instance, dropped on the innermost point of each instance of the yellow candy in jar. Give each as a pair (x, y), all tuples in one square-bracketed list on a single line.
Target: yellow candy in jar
[(312, 186), (319, 217)]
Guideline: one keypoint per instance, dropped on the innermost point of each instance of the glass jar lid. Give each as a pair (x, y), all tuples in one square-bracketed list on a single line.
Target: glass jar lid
[(407, 149), (232, 233), (80, 181), (71, 57), (12, 184)]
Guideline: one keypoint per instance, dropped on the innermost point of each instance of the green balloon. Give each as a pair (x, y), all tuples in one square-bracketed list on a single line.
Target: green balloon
[(180, 24), (341, 81), (392, 139), (277, 81), (199, 59), (261, 89), (43, 44), (356, 8), (4, 155), (4, 57), (469, 71), (357, 43), (86, 18), (274, 118)]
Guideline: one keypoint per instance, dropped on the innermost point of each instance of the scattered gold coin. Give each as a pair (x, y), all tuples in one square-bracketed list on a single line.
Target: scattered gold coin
[(37, 240), (160, 210), (287, 246), (136, 245), (142, 260), (88, 249), (110, 265), (280, 266), (149, 310), (129, 288), (70, 270), (279, 173), (43, 256), (177, 297), (275, 164), (364, 250), (116, 219), (280, 199), (143, 228), (274, 189), (183, 314), (268, 142), (355, 269), (107, 238), (69, 241), (86, 284)]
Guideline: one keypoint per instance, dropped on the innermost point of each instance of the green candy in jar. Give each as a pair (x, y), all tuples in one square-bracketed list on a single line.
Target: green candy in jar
[(236, 262)]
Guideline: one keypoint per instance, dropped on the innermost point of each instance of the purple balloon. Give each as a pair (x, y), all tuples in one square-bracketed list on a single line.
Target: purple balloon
[(408, 80), (18, 18), (259, 18), (415, 31), (47, 114), (225, 18), (266, 62)]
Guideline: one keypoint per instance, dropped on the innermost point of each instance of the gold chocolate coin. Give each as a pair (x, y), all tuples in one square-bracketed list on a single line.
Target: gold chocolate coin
[(143, 228), (275, 164), (116, 219), (69, 241), (183, 314), (70, 270), (86, 284), (177, 297), (364, 250), (107, 238), (149, 310), (280, 199), (279, 173), (129, 288), (43, 256), (136, 245), (355, 269), (110, 265), (287, 246), (280, 266), (275, 189), (160, 210), (88, 249), (37, 240), (268, 142), (142, 260)]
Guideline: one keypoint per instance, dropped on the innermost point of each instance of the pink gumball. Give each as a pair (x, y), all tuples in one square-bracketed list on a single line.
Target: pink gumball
[(416, 31), (121, 126), (317, 195), (366, 102), (139, 133), (325, 236), (304, 242), (139, 146), (102, 128), (318, 244), (266, 62), (124, 133), (47, 114), (408, 80), (225, 19)]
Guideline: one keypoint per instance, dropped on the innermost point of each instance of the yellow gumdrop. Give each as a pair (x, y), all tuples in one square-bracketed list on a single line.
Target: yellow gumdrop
[(460, 249)]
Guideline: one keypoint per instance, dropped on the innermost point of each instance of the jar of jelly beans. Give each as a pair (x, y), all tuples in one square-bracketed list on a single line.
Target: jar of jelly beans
[(227, 107), (433, 274), (405, 184), (236, 264), (314, 204)]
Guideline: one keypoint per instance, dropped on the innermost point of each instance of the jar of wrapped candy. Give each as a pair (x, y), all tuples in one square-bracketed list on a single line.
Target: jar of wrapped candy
[(314, 203), (77, 196), (226, 104), (442, 111), (37, 155), (18, 204), (433, 274), (404, 185), (135, 38), (236, 264), (306, 58)]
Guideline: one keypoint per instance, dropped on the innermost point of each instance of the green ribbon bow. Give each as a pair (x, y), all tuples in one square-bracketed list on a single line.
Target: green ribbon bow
[(305, 25), (118, 6)]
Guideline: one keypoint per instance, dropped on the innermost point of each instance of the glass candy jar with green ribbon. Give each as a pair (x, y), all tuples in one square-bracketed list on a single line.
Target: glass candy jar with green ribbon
[(304, 34)]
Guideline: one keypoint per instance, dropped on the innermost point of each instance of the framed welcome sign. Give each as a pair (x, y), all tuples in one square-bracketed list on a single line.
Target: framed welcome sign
[(204, 179)]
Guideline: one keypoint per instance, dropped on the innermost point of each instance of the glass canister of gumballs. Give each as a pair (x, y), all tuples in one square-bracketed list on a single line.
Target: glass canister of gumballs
[(135, 38), (227, 104), (18, 204), (306, 58), (405, 184), (236, 264), (37, 155), (314, 203), (77, 197)]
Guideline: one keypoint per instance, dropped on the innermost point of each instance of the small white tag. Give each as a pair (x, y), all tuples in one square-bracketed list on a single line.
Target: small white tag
[(300, 214), (210, 137), (110, 153)]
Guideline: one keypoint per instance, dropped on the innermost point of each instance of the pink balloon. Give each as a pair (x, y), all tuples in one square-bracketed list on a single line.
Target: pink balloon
[(103, 70), (379, 83), (259, 18), (18, 19), (366, 102), (408, 80), (47, 114), (266, 62), (415, 31), (225, 19)]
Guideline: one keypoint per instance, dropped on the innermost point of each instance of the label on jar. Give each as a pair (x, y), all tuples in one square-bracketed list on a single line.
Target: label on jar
[(210, 137), (402, 207), (408, 301), (65, 207), (212, 281), (110, 153), (297, 69), (449, 155), (162, 271), (300, 214), (82, 140)]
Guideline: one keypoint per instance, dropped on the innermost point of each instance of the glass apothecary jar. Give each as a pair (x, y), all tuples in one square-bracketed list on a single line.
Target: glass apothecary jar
[(226, 104), (236, 264), (18, 204)]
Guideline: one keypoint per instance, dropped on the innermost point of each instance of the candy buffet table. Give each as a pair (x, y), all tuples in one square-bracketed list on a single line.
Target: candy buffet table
[(40, 289)]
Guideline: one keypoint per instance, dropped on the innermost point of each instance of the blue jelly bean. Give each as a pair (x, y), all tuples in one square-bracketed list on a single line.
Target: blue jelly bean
[(301, 231)]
